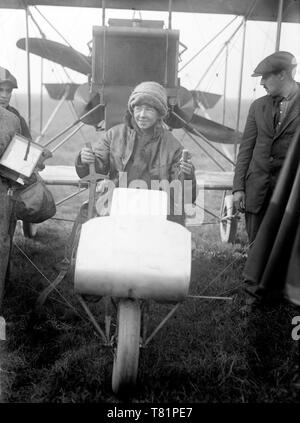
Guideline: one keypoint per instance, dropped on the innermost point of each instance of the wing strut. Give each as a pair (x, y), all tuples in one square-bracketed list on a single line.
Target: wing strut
[(279, 21), (225, 83), (28, 70), (54, 113), (195, 131), (240, 85), (72, 125), (103, 12), (249, 13)]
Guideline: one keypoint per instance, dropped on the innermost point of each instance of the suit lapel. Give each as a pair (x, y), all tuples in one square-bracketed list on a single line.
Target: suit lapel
[(267, 114), (292, 113)]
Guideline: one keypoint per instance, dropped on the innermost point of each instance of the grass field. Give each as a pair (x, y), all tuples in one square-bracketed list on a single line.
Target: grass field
[(210, 351)]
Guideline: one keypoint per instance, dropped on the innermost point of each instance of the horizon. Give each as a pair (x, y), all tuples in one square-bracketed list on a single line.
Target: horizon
[(195, 31), (19, 101)]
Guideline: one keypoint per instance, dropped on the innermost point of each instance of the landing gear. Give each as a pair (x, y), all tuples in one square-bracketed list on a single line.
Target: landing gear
[(125, 367), (228, 223)]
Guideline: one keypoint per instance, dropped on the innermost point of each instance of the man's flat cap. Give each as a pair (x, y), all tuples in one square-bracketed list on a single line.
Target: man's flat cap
[(276, 62), (6, 76)]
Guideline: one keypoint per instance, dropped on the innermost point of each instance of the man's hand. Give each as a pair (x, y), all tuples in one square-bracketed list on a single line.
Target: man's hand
[(87, 156), (46, 154), (239, 200), (186, 166)]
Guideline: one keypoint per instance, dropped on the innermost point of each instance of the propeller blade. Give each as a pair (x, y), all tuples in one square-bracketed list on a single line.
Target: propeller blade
[(208, 100), (184, 108), (57, 91), (84, 101), (214, 131), (58, 53)]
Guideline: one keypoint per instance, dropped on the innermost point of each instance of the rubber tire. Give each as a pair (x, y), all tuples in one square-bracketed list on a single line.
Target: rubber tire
[(228, 228), (29, 229), (126, 361)]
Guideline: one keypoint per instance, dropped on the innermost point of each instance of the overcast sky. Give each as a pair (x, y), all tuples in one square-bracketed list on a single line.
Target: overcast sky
[(195, 31)]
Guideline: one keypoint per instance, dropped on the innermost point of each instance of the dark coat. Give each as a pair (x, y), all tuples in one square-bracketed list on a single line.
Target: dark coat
[(263, 150), (24, 127), (9, 125)]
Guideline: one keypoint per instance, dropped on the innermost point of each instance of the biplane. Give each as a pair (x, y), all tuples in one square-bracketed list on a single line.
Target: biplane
[(103, 100), (109, 83)]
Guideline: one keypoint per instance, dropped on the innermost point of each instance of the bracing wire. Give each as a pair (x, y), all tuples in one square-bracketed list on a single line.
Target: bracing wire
[(59, 33), (220, 51), (49, 282), (179, 70), (207, 44), (59, 79), (245, 249)]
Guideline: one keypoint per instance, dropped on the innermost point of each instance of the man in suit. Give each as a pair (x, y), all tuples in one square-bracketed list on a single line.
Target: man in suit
[(272, 121)]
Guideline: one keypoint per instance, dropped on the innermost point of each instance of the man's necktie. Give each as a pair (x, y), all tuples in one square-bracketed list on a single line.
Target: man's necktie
[(276, 111)]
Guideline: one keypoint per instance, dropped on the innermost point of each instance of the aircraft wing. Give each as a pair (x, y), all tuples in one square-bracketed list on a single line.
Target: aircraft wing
[(264, 10), (58, 53), (66, 175), (61, 175), (208, 100), (214, 180)]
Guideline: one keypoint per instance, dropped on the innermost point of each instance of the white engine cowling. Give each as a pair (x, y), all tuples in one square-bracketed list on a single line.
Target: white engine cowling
[(134, 256)]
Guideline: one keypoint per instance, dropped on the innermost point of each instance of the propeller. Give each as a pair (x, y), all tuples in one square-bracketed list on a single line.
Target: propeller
[(58, 53), (57, 90), (208, 100), (84, 100), (184, 108), (211, 130), (214, 131)]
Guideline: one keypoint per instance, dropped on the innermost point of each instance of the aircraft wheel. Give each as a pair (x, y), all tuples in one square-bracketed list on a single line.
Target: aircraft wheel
[(125, 367), (73, 242), (29, 229), (228, 227)]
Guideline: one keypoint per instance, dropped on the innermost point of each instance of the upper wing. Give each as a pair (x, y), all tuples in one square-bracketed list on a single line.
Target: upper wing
[(66, 175), (214, 180), (264, 10)]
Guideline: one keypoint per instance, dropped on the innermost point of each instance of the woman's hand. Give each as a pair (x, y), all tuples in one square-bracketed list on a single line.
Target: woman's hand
[(87, 156), (186, 166)]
